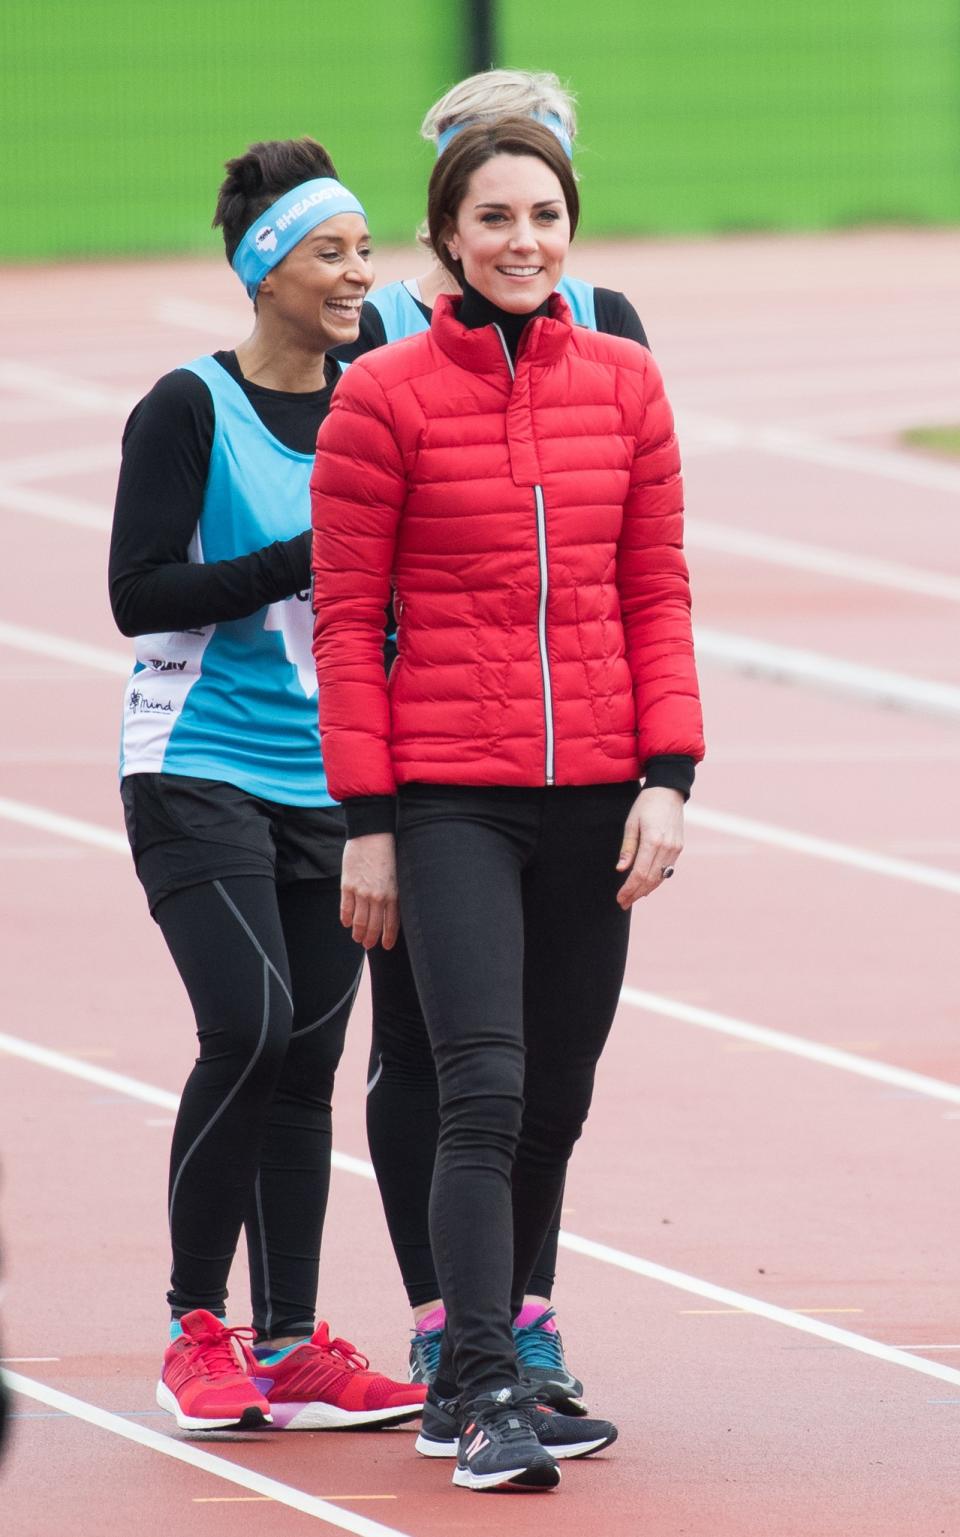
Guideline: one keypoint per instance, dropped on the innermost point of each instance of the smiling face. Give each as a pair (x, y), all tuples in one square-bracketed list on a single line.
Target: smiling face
[(318, 288), (512, 232)]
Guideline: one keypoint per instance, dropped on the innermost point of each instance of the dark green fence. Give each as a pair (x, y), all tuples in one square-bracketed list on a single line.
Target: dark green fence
[(117, 115)]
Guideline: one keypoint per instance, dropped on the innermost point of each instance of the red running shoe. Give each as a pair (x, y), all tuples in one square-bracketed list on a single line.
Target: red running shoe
[(206, 1382), (324, 1384)]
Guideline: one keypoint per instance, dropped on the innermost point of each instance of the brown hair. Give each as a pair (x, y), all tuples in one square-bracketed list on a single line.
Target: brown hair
[(473, 148), (259, 176)]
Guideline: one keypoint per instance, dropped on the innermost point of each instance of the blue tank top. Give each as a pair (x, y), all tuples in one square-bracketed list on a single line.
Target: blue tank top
[(236, 701), (402, 315)]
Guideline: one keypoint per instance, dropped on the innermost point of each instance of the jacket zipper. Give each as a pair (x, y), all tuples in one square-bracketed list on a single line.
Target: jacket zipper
[(541, 513)]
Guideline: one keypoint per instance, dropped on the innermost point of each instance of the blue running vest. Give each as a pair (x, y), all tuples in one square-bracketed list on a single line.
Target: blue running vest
[(402, 316), (236, 701)]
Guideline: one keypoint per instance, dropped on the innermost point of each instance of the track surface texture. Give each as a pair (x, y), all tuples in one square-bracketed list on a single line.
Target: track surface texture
[(760, 1276)]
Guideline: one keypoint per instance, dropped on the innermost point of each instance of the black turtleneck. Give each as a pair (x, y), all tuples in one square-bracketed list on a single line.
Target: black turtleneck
[(475, 310)]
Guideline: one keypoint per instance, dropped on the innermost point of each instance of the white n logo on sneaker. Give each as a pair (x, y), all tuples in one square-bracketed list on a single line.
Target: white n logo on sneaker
[(476, 1445)]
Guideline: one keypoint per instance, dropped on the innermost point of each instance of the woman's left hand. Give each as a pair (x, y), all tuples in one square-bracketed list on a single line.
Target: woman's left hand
[(652, 842), (368, 890)]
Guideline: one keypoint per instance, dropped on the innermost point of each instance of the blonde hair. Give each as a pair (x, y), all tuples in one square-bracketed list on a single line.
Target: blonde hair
[(497, 93)]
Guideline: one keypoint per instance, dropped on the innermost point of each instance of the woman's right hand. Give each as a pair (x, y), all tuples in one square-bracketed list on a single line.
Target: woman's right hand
[(368, 890)]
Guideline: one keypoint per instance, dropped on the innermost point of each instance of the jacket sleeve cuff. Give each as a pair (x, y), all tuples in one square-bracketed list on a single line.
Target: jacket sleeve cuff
[(670, 771), (370, 814)]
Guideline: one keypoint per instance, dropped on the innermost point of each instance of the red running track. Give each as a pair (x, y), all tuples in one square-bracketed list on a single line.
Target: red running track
[(759, 1127)]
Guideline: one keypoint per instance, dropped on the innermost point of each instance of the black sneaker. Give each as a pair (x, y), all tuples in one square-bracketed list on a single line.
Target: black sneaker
[(560, 1434), (439, 1426), (541, 1362), (498, 1448)]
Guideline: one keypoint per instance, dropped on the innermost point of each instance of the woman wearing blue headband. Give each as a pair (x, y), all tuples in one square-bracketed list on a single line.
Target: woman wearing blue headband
[(402, 1085), (236, 838)]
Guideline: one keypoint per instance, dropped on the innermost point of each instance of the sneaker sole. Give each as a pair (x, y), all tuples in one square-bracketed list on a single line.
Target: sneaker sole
[(427, 1447), (250, 1418), (321, 1416), (538, 1478)]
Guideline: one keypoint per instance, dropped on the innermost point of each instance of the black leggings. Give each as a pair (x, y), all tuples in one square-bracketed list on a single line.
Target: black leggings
[(518, 948), (271, 976), (401, 1094)]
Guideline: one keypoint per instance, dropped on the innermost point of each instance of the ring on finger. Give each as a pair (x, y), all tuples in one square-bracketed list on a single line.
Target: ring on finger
[(666, 872)]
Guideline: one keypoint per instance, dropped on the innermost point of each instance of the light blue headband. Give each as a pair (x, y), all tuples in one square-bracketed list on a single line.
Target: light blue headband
[(548, 119), (284, 225)]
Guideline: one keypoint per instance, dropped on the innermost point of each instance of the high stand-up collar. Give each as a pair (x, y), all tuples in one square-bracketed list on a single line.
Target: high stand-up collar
[(474, 343), (477, 310)]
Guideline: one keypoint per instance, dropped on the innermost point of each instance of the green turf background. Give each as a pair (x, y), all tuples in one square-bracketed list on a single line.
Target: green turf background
[(696, 115)]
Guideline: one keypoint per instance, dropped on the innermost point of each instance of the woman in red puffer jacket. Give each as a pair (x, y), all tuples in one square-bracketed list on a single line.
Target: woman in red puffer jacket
[(516, 481)]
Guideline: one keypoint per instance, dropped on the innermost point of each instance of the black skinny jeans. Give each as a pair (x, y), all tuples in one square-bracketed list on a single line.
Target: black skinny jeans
[(402, 1092), (518, 947)]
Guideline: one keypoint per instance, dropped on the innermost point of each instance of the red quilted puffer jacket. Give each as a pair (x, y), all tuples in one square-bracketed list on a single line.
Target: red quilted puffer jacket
[(531, 527)]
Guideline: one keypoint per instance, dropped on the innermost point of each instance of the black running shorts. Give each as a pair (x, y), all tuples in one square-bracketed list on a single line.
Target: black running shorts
[(185, 831)]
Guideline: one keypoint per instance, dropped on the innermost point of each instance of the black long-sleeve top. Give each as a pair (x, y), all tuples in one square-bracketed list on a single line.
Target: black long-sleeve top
[(154, 586)]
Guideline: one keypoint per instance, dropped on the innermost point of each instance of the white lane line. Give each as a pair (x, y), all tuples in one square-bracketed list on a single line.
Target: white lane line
[(927, 1347), (133, 1088), (586, 1247), (861, 382), (824, 848), (939, 411), (62, 826), (60, 509), (914, 751), (739, 1301), (741, 653), (794, 1045), (25, 380), (65, 461), (721, 538), (697, 816), (796, 664), (194, 316), (781, 442), (185, 1451), (885, 464), (21, 637)]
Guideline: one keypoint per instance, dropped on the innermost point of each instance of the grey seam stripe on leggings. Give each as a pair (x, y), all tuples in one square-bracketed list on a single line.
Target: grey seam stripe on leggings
[(268, 1320), (347, 997), (267, 968), (377, 1075), (233, 1092), (253, 939)]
